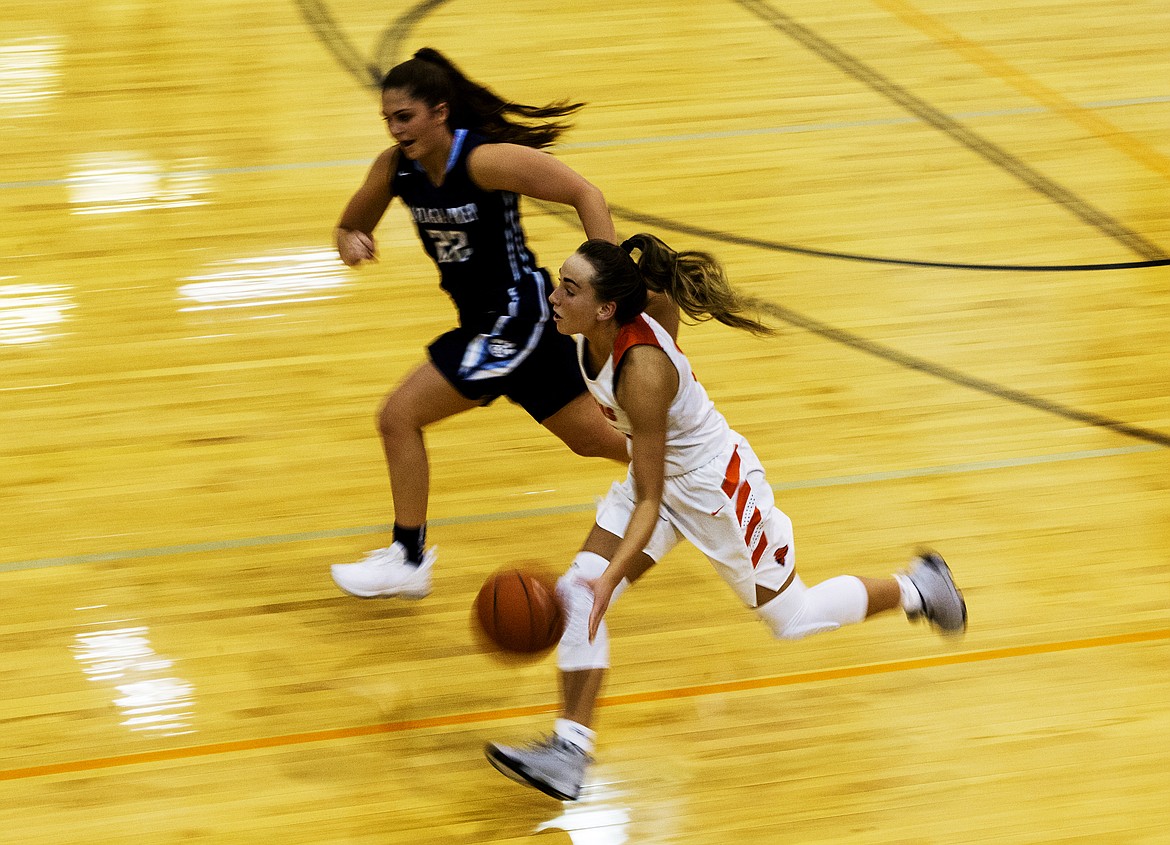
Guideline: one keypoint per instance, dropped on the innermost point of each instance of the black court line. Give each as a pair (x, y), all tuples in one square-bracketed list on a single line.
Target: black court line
[(318, 16), (888, 353), (389, 52), (910, 362), (923, 110), (394, 36), (779, 246), (367, 73)]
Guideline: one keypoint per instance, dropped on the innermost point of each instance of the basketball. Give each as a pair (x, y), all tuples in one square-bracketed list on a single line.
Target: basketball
[(519, 611)]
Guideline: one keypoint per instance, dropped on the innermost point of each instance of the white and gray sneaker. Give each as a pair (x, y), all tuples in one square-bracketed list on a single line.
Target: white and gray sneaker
[(551, 764), (384, 573), (942, 603)]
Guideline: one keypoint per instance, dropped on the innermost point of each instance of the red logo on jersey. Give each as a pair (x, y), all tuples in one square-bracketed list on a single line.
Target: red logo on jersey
[(781, 554), (607, 413)]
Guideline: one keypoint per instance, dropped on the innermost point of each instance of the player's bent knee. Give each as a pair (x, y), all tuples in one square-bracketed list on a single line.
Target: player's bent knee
[(395, 422), (801, 611), (384, 420)]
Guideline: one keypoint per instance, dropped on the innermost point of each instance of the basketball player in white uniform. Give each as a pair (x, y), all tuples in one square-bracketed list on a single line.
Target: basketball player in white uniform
[(691, 476)]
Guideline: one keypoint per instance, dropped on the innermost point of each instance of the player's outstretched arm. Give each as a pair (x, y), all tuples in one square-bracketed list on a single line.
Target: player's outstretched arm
[(536, 174)]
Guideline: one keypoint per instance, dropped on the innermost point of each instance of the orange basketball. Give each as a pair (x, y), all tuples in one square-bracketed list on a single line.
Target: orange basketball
[(519, 611)]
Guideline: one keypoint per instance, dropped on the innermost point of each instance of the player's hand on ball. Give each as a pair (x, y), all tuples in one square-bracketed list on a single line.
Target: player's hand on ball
[(355, 247), (602, 592)]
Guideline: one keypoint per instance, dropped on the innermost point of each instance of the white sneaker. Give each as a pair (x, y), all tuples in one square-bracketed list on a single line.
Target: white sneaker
[(384, 573), (550, 764)]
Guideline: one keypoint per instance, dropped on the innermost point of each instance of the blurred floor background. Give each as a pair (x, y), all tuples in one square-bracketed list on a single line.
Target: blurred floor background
[(958, 212)]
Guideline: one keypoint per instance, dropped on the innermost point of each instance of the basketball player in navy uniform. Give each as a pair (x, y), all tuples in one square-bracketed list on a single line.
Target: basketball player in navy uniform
[(463, 158), (691, 477)]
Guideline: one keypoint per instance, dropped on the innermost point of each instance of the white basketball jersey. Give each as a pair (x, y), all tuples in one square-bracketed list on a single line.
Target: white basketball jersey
[(695, 431)]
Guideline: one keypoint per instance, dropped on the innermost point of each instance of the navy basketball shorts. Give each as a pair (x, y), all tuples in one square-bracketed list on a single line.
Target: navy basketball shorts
[(532, 364)]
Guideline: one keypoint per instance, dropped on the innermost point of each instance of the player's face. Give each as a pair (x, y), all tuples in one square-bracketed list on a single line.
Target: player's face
[(575, 305), (420, 129)]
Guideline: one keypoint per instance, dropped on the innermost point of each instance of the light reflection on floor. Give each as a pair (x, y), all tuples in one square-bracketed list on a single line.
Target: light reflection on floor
[(30, 312), (149, 697), (265, 281), (126, 181), (30, 75), (598, 817)]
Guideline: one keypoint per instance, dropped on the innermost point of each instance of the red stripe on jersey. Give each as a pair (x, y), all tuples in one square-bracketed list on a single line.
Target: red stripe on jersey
[(635, 333), (731, 477)]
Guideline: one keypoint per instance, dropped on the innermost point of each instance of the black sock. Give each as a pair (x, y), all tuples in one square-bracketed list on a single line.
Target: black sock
[(414, 540)]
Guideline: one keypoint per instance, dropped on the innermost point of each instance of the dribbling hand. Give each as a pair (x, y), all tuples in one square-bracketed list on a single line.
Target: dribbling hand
[(602, 592), (355, 247)]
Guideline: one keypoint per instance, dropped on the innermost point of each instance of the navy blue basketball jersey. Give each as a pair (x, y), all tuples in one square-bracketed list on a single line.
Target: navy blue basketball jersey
[(475, 239)]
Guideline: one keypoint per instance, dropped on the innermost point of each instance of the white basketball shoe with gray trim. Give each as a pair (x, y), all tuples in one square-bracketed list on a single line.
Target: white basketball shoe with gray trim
[(942, 603), (551, 764)]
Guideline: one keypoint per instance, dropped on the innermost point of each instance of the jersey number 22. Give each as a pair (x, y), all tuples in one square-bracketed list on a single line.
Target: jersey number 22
[(451, 246)]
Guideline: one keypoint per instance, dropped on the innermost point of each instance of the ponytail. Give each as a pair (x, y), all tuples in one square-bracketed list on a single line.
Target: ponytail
[(697, 283), (433, 78)]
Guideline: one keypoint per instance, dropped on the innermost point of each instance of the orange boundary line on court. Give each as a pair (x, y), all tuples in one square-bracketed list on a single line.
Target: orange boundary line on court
[(859, 671), (1096, 125)]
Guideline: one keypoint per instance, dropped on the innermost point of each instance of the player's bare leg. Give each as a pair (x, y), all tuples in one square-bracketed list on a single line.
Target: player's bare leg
[(423, 398), (556, 764), (579, 693), (581, 426), (884, 594)]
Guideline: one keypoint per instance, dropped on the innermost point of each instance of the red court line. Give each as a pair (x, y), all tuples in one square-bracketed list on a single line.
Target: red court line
[(449, 720)]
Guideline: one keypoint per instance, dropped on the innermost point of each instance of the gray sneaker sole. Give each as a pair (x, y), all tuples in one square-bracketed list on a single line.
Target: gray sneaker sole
[(510, 768)]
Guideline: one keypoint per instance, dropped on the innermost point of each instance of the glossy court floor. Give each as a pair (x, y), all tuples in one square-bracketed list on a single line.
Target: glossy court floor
[(958, 211)]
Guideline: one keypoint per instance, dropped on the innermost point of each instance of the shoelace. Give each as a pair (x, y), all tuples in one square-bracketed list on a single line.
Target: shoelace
[(380, 557), (552, 741), (546, 741)]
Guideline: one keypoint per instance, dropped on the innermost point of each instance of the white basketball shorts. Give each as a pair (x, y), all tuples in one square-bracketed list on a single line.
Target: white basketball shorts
[(726, 509)]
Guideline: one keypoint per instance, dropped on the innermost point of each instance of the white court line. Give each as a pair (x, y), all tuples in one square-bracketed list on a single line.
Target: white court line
[(530, 513), (828, 126)]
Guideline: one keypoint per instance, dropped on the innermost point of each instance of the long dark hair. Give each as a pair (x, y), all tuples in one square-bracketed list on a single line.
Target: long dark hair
[(695, 281), (431, 77)]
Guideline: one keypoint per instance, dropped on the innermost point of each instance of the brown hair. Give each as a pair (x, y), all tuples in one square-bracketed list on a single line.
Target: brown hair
[(431, 77), (695, 281)]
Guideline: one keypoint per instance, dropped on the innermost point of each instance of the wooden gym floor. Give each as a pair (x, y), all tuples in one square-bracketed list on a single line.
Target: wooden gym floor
[(959, 210)]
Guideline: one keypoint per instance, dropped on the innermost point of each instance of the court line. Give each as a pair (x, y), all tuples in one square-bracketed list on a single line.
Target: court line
[(619, 143), (940, 371), (532, 513), (989, 151), (396, 34), (479, 717), (779, 246), (905, 360), (320, 18), (997, 67)]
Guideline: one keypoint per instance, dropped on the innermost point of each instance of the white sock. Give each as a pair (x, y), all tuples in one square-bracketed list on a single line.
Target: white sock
[(911, 598), (576, 734)]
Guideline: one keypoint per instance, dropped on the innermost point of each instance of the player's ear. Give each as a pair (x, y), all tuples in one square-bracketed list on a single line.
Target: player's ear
[(442, 111), (606, 310)]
